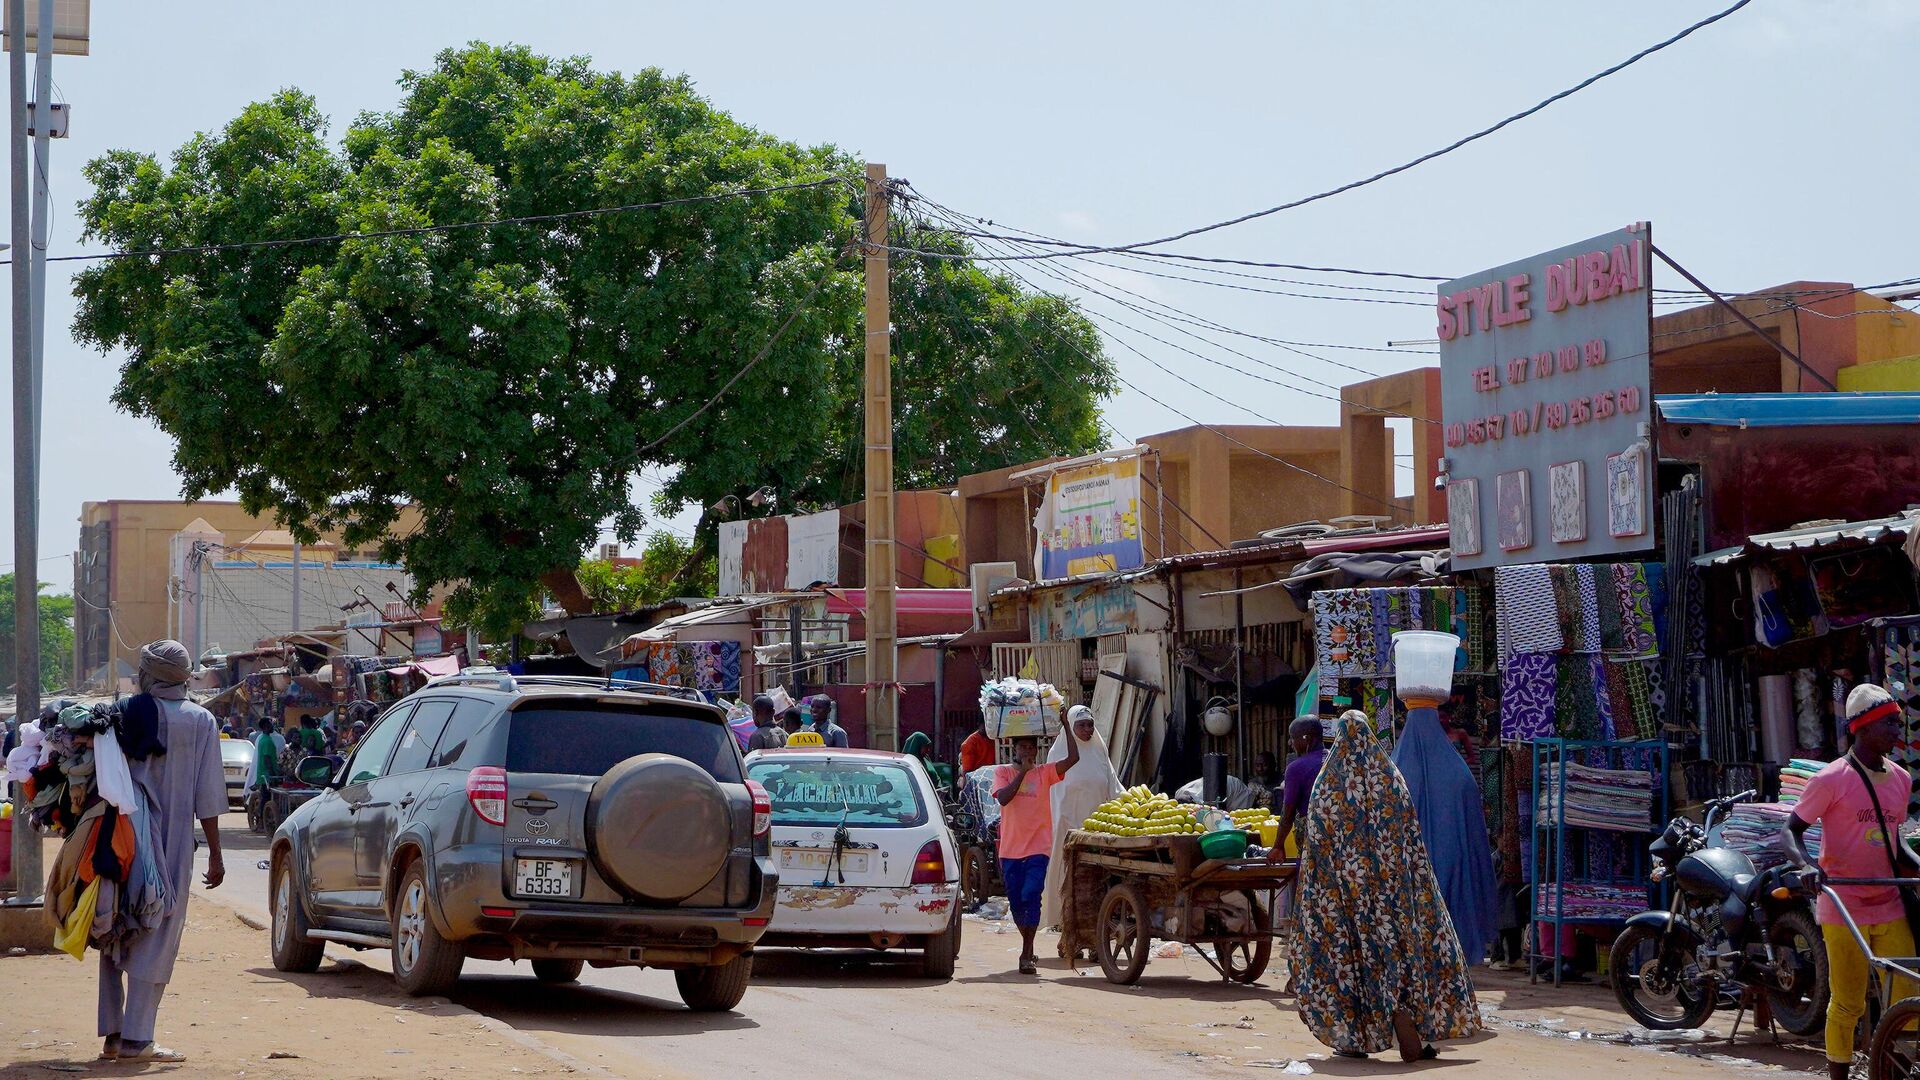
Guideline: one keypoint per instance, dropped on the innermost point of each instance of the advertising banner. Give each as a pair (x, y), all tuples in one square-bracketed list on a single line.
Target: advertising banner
[(1090, 521), (1546, 390)]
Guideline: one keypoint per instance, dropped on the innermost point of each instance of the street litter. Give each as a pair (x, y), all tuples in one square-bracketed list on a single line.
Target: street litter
[(1293, 1068)]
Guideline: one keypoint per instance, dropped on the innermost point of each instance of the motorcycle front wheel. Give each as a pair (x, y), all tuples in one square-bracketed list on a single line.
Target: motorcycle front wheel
[(1798, 992), (1659, 987)]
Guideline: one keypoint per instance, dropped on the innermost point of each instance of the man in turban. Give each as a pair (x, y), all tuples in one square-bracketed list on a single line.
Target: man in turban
[(173, 747)]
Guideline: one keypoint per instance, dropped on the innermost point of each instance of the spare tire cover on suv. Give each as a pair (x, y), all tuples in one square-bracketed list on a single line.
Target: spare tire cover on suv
[(658, 827)]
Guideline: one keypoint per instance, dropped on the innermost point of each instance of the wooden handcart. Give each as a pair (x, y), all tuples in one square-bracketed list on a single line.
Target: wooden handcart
[(1125, 892)]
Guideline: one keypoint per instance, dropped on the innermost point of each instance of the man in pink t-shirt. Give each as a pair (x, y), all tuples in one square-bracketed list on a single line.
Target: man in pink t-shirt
[(1024, 791), (1856, 841)]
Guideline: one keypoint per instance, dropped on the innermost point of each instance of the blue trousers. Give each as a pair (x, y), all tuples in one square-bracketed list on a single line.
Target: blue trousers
[(1025, 879)]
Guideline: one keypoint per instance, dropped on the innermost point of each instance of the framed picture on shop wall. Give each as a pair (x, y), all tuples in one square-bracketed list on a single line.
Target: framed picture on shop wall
[(1513, 510), (1626, 500), (1463, 516), (1567, 502)]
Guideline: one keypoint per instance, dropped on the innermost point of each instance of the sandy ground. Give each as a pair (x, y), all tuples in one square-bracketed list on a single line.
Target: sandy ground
[(229, 1012), (853, 1016)]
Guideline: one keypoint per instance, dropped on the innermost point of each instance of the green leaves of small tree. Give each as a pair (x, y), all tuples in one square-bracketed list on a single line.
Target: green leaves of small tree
[(658, 577), (511, 380), (56, 637)]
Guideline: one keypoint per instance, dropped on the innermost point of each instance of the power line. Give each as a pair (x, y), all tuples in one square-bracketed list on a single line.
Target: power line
[(1061, 275), (1388, 503), (424, 230), (1397, 169)]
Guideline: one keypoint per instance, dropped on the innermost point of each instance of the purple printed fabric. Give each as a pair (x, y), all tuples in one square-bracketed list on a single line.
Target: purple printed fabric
[(1527, 688)]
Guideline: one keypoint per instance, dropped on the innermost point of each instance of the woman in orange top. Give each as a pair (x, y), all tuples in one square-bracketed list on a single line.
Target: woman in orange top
[(1024, 791)]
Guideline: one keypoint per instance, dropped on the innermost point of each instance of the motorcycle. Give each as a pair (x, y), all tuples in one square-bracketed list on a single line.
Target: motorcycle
[(1729, 927)]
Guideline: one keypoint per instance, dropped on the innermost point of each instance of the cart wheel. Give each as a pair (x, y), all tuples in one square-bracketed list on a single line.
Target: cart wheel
[(1245, 962), (976, 878), (1125, 935), (1896, 1043)]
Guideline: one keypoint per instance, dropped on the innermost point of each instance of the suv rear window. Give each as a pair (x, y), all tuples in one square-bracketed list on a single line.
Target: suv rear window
[(589, 739), (818, 792)]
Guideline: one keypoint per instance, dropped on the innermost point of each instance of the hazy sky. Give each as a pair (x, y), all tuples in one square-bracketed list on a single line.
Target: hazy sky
[(1776, 145)]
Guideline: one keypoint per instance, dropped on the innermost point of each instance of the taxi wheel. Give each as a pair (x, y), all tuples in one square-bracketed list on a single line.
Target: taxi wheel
[(942, 950)]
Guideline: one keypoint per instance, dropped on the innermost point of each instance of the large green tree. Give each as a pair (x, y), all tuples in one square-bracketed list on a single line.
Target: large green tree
[(56, 637), (511, 380)]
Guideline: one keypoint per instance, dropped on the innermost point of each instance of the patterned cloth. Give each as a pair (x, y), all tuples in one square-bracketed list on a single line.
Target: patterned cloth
[(1525, 616), (699, 665), (1589, 598), (1342, 634), (1579, 711), (1375, 937), (1638, 636), (1353, 628), (1527, 697)]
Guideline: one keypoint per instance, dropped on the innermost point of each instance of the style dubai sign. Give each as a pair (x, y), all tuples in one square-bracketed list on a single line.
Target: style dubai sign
[(1545, 381)]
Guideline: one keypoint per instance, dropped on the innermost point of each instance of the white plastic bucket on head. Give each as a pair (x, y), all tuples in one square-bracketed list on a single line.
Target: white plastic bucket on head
[(1423, 665)]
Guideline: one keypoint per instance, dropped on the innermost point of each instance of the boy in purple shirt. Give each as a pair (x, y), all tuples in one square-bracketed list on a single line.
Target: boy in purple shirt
[(1310, 750)]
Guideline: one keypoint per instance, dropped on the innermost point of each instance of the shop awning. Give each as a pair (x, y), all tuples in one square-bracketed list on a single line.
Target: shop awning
[(1789, 410), (1815, 537), (673, 629)]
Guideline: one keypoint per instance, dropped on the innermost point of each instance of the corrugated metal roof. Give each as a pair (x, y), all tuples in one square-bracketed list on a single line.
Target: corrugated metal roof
[(1814, 537), (1789, 410)]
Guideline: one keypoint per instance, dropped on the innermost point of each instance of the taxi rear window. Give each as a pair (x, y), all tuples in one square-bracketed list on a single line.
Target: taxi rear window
[(866, 794)]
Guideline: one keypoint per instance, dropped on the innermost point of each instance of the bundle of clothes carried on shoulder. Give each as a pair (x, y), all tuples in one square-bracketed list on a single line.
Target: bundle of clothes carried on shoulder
[(105, 888)]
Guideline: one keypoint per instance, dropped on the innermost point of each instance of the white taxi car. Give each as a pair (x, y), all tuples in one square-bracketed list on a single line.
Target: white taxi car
[(866, 860)]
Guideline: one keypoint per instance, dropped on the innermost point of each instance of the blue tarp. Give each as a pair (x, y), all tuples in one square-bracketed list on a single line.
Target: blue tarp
[(1453, 822), (1789, 410)]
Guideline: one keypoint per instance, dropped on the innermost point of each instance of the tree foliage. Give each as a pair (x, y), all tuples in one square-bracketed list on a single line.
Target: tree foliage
[(512, 379), (657, 577), (56, 637)]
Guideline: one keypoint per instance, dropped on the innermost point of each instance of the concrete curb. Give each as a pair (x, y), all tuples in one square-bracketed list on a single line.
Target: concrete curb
[(499, 1027)]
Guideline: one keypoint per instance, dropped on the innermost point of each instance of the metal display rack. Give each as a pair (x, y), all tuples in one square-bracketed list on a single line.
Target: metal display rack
[(1552, 836)]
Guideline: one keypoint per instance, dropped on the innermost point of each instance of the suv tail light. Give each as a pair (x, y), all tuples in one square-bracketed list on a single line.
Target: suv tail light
[(930, 866), (762, 808), (487, 793)]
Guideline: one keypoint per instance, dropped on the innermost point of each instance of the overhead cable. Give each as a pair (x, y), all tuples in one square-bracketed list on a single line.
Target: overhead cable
[(1403, 166)]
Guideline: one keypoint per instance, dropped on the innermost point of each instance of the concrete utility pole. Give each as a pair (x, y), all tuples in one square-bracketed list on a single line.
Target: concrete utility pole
[(883, 688), (296, 588), (43, 125), (26, 546)]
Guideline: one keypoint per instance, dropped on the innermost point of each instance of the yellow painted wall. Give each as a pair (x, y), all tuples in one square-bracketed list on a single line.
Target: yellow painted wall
[(1902, 373)]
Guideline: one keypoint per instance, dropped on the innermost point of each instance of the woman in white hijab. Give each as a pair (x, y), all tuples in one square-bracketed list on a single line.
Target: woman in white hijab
[(1075, 798)]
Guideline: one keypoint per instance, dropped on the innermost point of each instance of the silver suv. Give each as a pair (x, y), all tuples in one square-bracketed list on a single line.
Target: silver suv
[(565, 821)]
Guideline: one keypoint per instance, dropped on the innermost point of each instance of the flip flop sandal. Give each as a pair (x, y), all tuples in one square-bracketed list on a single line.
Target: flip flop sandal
[(110, 1049), (153, 1052), (1028, 967)]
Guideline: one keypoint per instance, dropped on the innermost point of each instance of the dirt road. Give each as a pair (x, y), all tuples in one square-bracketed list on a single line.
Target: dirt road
[(873, 1021), (230, 1013)]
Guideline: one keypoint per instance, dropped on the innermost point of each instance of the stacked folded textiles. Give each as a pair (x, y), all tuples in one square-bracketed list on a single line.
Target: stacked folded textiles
[(1618, 799), (1794, 776), (1587, 900), (1753, 829)]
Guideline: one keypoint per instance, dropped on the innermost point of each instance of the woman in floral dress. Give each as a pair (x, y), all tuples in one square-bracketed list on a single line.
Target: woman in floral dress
[(1378, 961)]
